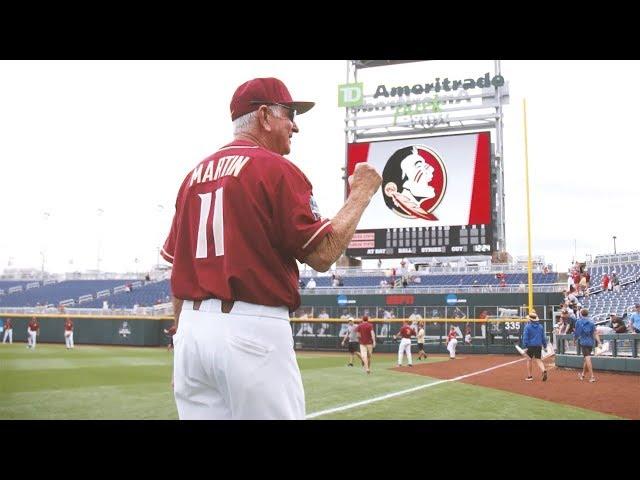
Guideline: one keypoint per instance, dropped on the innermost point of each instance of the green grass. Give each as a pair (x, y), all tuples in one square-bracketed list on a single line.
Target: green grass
[(103, 382)]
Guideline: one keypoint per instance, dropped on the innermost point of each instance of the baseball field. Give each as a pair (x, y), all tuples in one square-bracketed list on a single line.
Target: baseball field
[(104, 382)]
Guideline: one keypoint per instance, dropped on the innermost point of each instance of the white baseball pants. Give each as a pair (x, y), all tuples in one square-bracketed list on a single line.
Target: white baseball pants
[(68, 338), (451, 346), (237, 365), (8, 334), (32, 339), (405, 347)]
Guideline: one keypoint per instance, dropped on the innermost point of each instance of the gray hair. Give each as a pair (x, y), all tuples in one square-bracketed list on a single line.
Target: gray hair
[(244, 123)]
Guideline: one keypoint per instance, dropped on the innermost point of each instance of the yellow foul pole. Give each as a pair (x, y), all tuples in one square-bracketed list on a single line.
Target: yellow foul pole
[(526, 176)]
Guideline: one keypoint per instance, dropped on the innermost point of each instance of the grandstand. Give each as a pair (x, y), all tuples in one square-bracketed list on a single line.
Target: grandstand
[(58, 293), (147, 294), (603, 303)]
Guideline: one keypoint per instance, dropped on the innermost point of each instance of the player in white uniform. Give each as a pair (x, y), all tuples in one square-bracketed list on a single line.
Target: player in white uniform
[(452, 342)]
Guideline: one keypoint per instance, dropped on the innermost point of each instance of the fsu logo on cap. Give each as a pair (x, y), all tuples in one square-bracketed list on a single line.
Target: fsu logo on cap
[(414, 181)]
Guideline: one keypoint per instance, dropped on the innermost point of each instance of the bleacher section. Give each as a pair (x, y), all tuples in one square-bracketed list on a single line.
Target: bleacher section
[(152, 293), (627, 268), (6, 285), (147, 295), (53, 294), (612, 302)]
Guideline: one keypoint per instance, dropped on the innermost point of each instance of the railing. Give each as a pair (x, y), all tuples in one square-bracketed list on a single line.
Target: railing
[(617, 259), (85, 298), (68, 301), (49, 282), (156, 310), (619, 345), (540, 288), (31, 285), (103, 293), (17, 288), (424, 271)]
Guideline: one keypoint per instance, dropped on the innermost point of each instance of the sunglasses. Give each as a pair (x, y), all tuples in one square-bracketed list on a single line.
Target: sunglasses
[(291, 113)]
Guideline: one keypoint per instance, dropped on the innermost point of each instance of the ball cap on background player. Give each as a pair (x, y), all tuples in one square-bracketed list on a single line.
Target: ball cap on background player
[(263, 91)]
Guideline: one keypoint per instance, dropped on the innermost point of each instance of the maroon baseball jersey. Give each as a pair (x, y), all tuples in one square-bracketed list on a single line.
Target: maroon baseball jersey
[(406, 331), (34, 326), (365, 329), (451, 335), (7, 324), (68, 325), (243, 217)]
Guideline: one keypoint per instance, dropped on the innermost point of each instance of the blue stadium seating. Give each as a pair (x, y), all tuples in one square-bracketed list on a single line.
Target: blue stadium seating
[(56, 292)]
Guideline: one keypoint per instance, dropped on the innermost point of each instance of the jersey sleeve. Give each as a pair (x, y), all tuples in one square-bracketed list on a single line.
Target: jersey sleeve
[(169, 246), (298, 221)]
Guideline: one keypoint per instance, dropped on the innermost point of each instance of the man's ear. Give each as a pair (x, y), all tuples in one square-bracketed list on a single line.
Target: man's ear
[(263, 118)]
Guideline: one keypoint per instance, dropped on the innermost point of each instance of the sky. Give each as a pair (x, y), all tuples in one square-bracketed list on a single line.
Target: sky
[(92, 153)]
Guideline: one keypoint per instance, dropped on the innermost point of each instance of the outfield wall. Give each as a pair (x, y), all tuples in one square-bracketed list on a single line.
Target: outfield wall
[(107, 330), (148, 331)]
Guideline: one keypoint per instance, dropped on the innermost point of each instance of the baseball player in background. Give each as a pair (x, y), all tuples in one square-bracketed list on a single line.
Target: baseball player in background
[(420, 339), (170, 332), (367, 339), (32, 332), (354, 347), (68, 333), (8, 331), (405, 333), (244, 215), (452, 342)]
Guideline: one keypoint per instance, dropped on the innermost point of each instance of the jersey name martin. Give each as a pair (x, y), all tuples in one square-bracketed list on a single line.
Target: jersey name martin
[(224, 166)]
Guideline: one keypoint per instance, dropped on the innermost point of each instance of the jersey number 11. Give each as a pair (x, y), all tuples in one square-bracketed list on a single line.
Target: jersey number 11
[(218, 224)]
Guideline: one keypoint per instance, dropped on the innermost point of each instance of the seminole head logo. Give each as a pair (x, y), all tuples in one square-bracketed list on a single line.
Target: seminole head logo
[(413, 182)]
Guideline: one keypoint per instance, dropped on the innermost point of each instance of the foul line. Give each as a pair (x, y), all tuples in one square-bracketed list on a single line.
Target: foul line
[(403, 392)]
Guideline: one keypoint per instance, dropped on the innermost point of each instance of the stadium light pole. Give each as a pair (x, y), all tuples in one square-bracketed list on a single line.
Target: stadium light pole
[(614, 244)]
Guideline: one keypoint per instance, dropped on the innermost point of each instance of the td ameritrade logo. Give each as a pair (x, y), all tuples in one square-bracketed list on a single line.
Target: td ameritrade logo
[(352, 94)]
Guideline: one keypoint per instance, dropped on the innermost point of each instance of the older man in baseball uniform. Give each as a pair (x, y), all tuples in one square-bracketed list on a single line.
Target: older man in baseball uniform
[(244, 215), (68, 333)]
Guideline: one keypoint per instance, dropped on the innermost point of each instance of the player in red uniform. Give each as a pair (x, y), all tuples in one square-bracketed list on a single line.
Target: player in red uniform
[(406, 332), (68, 333), (170, 332), (244, 215), (32, 331), (367, 339)]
